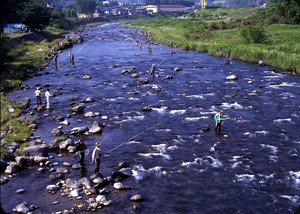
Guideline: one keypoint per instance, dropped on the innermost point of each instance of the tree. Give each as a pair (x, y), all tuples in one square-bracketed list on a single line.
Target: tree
[(86, 6), (33, 13)]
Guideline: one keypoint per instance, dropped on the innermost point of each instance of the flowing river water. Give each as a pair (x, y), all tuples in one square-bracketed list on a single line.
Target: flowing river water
[(252, 167)]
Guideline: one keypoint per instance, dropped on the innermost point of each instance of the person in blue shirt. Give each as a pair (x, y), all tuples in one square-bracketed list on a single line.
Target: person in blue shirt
[(218, 118)]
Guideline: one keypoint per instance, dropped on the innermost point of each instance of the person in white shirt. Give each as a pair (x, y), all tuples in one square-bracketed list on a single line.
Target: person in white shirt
[(96, 158), (47, 94), (37, 94)]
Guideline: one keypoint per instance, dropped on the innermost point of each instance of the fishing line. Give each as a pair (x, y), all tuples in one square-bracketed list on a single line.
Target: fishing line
[(139, 134)]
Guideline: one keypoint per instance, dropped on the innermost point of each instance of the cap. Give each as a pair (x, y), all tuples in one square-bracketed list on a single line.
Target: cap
[(98, 144)]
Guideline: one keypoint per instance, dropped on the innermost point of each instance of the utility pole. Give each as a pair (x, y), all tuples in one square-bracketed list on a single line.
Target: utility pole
[(203, 4)]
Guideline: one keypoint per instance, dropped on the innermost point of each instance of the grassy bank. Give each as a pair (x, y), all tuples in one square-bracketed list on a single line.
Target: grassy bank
[(15, 129), (280, 48)]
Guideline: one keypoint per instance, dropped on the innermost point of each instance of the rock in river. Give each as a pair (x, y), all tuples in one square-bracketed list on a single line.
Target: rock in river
[(62, 171), (96, 128), (37, 150), (231, 77)]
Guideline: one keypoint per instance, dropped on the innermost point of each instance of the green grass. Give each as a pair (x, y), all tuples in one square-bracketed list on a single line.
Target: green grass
[(281, 50), (15, 127)]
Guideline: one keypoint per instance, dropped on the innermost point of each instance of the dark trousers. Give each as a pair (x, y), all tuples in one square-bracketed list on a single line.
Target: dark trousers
[(38, 100), (97, 162), (218, 125), (81, 155)]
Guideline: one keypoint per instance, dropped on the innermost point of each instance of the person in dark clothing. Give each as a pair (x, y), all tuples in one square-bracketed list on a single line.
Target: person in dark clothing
[(80, 150)]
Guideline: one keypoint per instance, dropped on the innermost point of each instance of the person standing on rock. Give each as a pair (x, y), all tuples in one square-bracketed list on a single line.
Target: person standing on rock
[(37, 94), (80, 150), (96, 158), (47, 95), (218, 118)]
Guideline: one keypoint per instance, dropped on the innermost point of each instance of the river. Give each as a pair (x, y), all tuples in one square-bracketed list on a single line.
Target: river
[(251, 167)]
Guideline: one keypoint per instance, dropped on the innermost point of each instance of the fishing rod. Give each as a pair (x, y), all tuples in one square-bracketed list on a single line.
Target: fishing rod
[(139, 134)]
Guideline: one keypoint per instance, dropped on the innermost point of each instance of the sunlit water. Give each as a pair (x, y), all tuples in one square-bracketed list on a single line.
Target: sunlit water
[(176, 167)]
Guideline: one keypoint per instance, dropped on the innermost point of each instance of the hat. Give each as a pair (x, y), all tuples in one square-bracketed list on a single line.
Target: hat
[(98, 144), (38, 88)]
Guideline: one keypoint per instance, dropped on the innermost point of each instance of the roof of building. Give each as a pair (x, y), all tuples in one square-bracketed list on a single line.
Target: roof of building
[(166, 5)]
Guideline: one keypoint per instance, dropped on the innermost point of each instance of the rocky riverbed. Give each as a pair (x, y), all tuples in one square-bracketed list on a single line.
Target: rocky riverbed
[(162, 154)]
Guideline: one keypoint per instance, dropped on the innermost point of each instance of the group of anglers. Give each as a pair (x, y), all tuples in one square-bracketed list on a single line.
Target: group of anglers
[(97, 153)]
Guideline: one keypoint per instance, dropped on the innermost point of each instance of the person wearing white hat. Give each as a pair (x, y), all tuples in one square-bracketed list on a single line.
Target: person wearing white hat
[(96, 157), (37, 94)]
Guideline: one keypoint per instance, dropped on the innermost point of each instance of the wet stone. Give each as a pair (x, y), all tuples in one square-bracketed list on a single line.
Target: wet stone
[(19, 191)]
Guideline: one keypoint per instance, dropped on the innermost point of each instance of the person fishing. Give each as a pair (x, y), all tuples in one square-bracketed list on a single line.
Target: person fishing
[(97, 153), (48, 95), (73, 59), (152, 70), (220, 51), (227, 58), (80, 150), (55, 60), (37, 94), (218, 118)]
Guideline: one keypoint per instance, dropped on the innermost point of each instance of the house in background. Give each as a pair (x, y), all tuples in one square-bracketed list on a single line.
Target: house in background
[(166, 8), (14, 28)]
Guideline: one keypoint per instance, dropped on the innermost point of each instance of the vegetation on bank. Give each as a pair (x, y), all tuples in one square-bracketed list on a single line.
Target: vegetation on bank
[(14, 129), (250, 39)]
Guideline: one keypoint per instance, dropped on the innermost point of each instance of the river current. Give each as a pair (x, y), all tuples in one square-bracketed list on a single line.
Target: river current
[(251, 167)]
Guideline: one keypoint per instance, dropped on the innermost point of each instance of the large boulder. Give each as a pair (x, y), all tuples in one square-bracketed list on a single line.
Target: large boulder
[(96, 128), (79, 130), (72, 184), (21, 208), (22, 160), (11, 169), (39, 107), (62, 170), (56, 132), (87, 100), (78, 108), (65, 144), (25, 103), (76, 39), (85, 182), (37, 150)]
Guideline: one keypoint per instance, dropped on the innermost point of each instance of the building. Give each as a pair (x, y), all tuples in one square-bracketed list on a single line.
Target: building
[(14, 28), (166, 8)]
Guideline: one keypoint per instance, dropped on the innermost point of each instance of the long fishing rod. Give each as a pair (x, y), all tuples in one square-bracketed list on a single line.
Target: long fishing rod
[(139, 134)]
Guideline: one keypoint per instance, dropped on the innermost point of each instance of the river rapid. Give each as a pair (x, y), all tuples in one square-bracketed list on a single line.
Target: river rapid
[(251, 167)]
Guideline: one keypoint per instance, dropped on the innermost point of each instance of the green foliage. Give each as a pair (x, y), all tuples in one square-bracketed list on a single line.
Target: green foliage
[(62, 138), (5, 114), (3, 152), (30, 12), (253, 34), (280, 49), (86, 6), (22, 147), (18, 131), (243, 3)]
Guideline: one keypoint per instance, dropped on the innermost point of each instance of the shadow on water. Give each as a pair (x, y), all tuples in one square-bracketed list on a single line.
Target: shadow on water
[(251, 167)]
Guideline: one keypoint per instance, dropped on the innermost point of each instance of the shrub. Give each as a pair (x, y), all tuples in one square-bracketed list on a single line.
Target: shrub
[(253, 34)]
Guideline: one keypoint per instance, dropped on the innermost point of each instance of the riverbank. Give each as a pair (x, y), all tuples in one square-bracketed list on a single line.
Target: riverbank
[(279, 49)]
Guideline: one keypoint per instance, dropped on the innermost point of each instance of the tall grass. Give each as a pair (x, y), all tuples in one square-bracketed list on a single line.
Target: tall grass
[(281, 48)]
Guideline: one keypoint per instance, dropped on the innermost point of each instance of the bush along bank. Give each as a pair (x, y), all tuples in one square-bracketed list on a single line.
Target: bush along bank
[(24, 55), (278, 45)]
